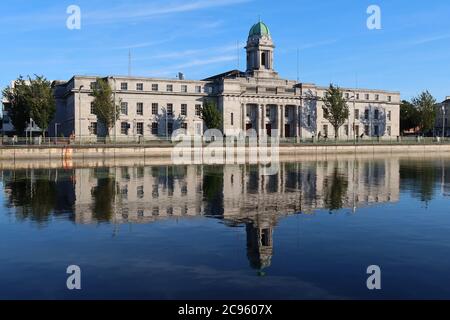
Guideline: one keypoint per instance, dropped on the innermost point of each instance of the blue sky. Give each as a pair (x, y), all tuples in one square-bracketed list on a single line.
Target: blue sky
[(410, 53)]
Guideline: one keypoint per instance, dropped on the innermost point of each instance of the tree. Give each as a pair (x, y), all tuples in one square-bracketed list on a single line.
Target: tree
[(409, 116), (211, 115), (335, 108), (426, 106), (104, 106), (31, 98), (42, 102)]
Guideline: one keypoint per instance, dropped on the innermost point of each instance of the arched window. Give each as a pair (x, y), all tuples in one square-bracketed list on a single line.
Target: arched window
[(264, 59)]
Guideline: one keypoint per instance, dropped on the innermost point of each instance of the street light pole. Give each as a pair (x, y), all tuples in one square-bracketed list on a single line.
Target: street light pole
[(79, 109), (56, 130), (115, 111)]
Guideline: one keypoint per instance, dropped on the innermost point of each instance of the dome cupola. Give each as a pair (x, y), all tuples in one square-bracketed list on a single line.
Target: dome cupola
[(259, 29)]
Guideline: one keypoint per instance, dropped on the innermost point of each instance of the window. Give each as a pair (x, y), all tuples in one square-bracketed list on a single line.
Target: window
[(93, 85), (366, 114), (169, 88), (267, 112), (155, 87), (357, 96), (389, 130), (170, 128), (154, 108), (376, 131), (377, 97), (93, 128), (346, 130), (184, 126), (170, 109), (198, 89), (140, 128), (184, 88), (155, 128), (124, 108), (140, 109), (309, 120), (124, 126), (184, 109), (198, 110), (140, 192), (389, 115), (92, 108), (357, 114), (377, 114), (347, 96), (367, 96), (390, 98), (232, 119), (366, 130), (139, 86), (286, 113), (124, 86)]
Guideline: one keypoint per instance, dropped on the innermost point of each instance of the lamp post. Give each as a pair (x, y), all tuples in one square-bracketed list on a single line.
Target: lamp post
[(56, 131), (443, 122), (79, 109), (354, 118), (115, 111)]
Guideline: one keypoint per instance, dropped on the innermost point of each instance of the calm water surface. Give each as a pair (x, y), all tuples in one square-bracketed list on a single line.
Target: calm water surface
[(228, 232)]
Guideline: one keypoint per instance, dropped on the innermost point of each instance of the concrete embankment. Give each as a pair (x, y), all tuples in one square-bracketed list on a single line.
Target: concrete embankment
[(108, 152)]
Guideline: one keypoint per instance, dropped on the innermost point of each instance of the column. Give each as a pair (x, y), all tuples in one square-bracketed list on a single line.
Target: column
[(258, 119), (282, 132), (279, 120), (243, 117), (295, 129), (263, 120)]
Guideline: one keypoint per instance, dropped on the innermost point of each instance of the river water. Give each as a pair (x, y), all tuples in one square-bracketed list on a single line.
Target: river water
[(142, 231)]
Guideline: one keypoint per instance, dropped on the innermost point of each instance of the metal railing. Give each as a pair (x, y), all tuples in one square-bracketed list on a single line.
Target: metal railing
[(163, 141)]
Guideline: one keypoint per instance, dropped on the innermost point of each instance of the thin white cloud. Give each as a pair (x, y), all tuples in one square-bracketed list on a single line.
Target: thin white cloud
[(141, 11), (191, 64), (429, 39), (317, 44), (201, 51)]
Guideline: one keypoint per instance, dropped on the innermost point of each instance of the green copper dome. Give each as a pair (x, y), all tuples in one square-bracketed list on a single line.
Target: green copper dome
[(259, 29)]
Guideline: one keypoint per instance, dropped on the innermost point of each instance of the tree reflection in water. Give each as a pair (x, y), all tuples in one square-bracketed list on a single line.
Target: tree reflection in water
[(336, 187), (104, 195)]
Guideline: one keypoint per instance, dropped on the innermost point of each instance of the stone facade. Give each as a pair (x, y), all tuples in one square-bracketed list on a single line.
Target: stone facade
[(255, 99)]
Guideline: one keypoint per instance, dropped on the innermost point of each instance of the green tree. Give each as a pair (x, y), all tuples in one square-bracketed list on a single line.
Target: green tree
[(335, 108), (426, 106), (211, 115), (409, 116), (31, 98), (42, 102), (104, 106)]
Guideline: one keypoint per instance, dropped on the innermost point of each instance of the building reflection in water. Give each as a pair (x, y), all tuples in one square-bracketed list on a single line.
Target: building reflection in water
[(238, 194)]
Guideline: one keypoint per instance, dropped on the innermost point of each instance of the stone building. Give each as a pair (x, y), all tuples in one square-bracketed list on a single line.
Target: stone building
[(256, 99)]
